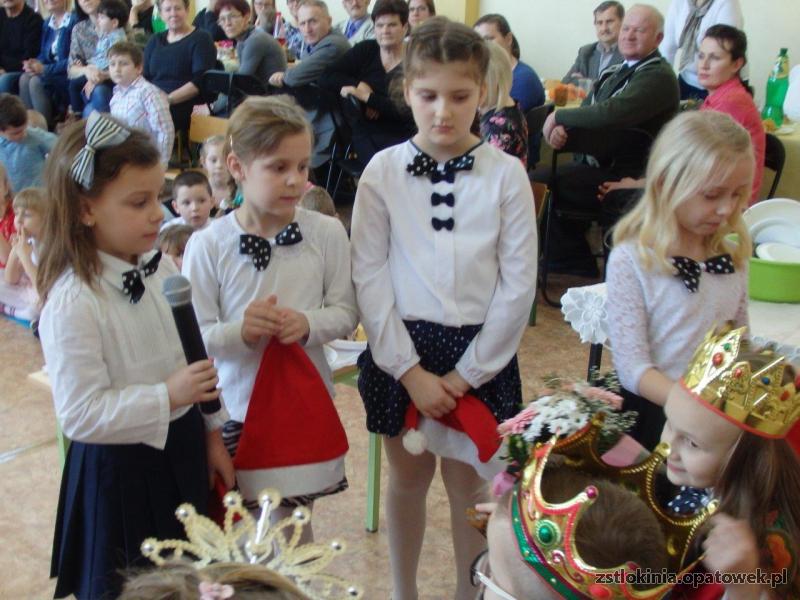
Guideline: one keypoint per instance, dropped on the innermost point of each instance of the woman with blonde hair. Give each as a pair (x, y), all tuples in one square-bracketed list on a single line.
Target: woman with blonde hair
[(673, 271), (502, 122)]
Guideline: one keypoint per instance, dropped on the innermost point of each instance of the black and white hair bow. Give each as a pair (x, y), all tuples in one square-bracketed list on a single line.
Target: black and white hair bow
[(101, 132)]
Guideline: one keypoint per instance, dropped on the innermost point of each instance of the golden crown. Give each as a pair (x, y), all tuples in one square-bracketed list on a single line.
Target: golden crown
[(242, 539), (546, 532), (742, 385)]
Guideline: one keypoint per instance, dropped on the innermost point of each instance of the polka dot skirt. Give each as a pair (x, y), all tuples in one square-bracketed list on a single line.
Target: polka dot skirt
[(440, 348)]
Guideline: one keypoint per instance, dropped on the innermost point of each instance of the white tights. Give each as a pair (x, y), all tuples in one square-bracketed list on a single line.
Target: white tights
[(409, 479)]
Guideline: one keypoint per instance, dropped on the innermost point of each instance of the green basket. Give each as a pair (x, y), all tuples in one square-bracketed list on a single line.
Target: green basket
[(772, 281)]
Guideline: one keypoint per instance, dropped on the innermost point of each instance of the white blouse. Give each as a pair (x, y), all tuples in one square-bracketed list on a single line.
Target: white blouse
[(108, 360), (483, 271), (312, 277), (654, 321)]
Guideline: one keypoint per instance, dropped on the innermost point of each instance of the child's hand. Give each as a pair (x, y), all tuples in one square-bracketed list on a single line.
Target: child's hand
[(194, 383), (88, 88), (295, 326), (433, 396), (457, 382), (21, 245), (93, 74), (219, 461), (262, 318), (731, 548)]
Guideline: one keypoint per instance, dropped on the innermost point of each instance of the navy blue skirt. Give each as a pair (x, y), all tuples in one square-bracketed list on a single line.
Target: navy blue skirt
[(113, 496), (650, 421), (439, 348)]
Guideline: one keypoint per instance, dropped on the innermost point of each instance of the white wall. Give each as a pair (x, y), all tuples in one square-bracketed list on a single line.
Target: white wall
[(550, 32)]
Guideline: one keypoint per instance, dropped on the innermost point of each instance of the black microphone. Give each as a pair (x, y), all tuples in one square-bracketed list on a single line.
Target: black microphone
[(178, 292)]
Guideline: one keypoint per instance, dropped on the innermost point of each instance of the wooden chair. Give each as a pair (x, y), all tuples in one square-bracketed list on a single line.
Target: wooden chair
[(201, 128)]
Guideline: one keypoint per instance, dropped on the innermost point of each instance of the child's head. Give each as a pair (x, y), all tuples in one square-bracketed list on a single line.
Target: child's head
[(617, 528), (6, 193), (699, 179), (445, 67), (498, 78), (270, 142), (114, 208), (212, 159), (319, 200), (13, 118), (172, 241), (180, 581), (29, 209), (111, 15), (191, 198), (124, 63)]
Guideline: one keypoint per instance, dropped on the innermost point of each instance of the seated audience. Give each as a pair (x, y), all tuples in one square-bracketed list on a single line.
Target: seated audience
[(502, 123), (175, 60), (20, 38), (357, 27), (259, 54), (93, 90), (685, 27), (172, 242), (22, 149), (43, 85), (7, 228), (319, 200), (294, 37), (526, 88), (18, 296), (83, 44), (138, 102), (369, 72), (594, 58), (191, 200), (642, 92), (263, 14), (140, 18), (206, 20), (323, 47), (213, 162), (420, 11)]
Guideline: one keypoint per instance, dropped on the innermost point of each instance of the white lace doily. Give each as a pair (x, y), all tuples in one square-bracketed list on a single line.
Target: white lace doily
[(584, 309)]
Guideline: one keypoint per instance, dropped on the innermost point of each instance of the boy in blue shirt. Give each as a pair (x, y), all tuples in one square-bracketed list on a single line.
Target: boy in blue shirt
[(22, 149)]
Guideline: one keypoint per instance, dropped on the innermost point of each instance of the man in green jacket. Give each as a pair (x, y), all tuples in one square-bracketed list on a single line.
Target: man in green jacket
[(641, 92)]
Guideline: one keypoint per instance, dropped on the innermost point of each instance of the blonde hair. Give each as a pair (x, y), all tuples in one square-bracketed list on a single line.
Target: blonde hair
[(214, 140), (174, 237), (498, 78), (71, 244), (181, 581), (260, 123), (318, 200), (32, 198), (9, 189), (694, 152)]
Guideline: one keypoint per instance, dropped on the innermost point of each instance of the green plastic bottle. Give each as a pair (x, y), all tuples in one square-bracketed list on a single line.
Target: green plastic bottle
[(777, 86), (158, 22)]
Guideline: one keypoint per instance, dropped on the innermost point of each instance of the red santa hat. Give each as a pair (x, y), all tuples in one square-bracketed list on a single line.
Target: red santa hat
[(291, 419), (470, 416)]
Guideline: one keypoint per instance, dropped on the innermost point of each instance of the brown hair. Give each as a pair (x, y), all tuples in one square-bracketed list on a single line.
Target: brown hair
[(115, 9), (128, 49), (180, 581), (319, 200), (443, 41), (430, 4), (190, 178), (239, 5), (12, 112), (32, 198), (174, 236), (503, 28), (390, 7), (260, 123), (70, 244), (763, 475)]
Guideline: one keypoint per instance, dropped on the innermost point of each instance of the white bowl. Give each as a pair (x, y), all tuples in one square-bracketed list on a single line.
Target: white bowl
[(779, 253), (775, 231), (784, 210)]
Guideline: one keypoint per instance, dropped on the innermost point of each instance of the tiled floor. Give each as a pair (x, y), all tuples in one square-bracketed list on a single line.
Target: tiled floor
[(29, 470)]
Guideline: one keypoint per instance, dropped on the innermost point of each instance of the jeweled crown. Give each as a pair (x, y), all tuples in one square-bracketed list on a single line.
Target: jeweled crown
[(244, 539), (545, 532), (742, 385)]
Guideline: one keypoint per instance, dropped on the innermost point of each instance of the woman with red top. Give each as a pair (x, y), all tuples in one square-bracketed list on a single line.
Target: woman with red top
[(720, 59)]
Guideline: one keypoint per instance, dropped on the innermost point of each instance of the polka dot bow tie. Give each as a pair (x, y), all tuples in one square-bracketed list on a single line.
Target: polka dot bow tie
[(132, 284), (689, 500), (689, 270), (425, 165), (260, 248)]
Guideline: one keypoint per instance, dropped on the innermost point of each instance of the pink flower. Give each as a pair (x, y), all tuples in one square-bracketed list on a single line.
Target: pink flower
[(610, 398), (517, 424)]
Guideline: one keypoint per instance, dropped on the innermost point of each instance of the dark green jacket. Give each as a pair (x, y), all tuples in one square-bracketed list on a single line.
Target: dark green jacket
[(645, 96)]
